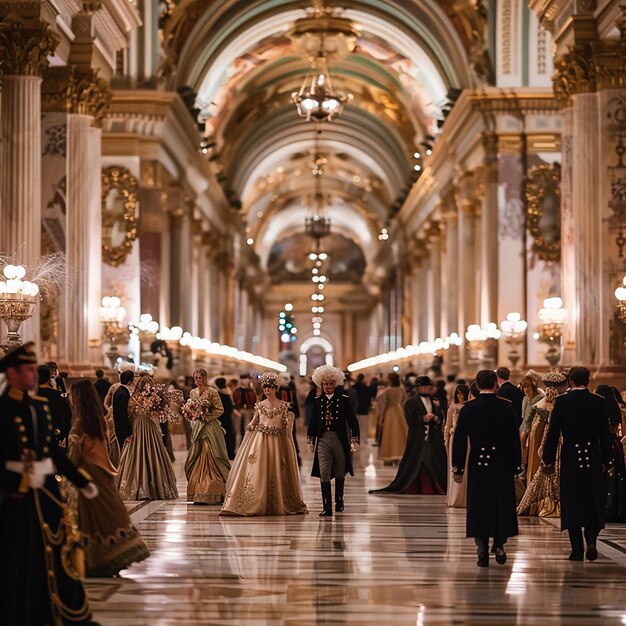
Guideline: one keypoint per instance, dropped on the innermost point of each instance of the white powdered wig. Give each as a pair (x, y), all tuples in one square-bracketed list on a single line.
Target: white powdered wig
[(126, 366), (326, 372)]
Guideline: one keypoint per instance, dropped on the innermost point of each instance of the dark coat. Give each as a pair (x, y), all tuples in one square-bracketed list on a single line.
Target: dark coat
[(580, 417), (364, 398), (28, 554), (226, 420), (490, 425), (102, 386), (60, 410), (123, 428), (515, 395), (347, 426), (424, 448)]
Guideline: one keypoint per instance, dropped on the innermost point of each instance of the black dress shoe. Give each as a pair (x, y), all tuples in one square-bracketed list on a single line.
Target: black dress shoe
[(592, 552), (500, 556), (574, 556), (339, 506), (483, 559), (326, 513)]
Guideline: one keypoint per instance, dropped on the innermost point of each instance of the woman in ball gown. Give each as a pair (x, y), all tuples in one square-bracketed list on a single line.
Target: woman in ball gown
[(145, 471), (532, 394), (542, 496), (264, 479), (111, 541), (207, 465), (457, 492), (394, 427)]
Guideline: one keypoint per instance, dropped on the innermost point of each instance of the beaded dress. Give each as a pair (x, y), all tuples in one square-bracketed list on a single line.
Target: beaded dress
[(264, 479)]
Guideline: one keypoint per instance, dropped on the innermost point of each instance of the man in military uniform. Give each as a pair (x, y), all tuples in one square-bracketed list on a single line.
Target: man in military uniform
[(40, 573), (332, 436)]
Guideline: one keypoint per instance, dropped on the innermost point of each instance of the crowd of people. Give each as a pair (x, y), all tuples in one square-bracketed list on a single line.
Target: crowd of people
[(545, 447)]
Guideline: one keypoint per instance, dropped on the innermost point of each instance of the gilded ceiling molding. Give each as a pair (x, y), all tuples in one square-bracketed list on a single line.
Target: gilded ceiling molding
[(591, 66), (25, 40), (68, 89)]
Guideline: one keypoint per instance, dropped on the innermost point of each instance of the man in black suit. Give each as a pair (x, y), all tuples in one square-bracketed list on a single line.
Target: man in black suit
[(102, 385), (123, 429), (60, 408), (580, 417), (489, 423), (226, 418), (509, 391), (56, 380), (332, 436)]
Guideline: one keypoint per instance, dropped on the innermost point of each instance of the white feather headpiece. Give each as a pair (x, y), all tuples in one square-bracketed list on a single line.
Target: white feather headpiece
[(325, 372)]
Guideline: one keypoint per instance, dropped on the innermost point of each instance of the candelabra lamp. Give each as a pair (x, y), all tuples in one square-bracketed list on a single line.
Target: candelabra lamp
[(513, 328), (482, 343), (146, 330), (111, 316), (17, 303), (552, 317), (620, 294)]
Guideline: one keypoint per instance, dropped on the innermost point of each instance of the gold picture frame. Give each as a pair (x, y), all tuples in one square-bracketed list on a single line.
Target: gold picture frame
[(119, 214), (543, 197)]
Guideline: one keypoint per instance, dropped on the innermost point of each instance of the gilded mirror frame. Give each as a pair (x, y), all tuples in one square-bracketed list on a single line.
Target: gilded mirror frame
[(120, 178), (544, 181)]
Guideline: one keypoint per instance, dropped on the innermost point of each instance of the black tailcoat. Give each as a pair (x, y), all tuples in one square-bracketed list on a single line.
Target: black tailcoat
[(424, 446), (60, 410), (123, 429), (345, 419), (581, 418), (490, 425), (509, 391), (28, 554)]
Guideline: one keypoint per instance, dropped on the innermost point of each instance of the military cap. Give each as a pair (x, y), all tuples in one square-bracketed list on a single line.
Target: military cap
[(20, 356)]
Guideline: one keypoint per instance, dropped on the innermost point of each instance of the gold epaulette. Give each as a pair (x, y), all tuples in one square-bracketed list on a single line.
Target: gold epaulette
[(39, 399)]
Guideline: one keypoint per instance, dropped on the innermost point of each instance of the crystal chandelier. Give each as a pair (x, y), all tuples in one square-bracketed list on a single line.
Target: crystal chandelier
[(317, 101)]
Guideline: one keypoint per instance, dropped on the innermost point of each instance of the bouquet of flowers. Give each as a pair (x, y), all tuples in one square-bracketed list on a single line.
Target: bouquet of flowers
[(156, 399), (195, 408)]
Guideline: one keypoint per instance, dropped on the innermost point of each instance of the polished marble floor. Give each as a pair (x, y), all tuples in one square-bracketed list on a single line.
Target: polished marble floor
[(388, 560)]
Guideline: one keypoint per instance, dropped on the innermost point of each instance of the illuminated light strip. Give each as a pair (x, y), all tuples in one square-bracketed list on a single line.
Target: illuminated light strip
[(425, 347)]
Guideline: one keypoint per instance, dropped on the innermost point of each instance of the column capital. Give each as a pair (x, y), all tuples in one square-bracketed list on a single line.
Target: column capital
[(74, 91), (26, 41)]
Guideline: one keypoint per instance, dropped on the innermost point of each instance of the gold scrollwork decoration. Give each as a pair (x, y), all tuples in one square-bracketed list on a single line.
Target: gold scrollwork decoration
[(543, 197), (119, 214)]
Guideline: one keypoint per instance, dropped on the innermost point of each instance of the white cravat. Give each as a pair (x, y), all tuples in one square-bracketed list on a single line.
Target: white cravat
[(427, 402)]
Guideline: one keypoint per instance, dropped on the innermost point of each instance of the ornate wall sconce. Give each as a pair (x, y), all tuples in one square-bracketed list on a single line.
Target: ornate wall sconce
[(514, 328), (620, 294), (482, 343), (552, 317), (17, 302), (111, 316)]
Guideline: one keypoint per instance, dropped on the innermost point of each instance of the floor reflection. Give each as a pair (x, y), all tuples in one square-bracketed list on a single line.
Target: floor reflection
[(388, 560)]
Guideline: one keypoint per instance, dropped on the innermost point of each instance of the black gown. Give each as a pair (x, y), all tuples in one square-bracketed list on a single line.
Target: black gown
[(423, 468), (35, 586)]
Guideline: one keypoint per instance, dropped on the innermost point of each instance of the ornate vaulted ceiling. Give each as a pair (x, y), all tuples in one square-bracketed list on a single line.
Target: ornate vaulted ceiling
[(243, 62)]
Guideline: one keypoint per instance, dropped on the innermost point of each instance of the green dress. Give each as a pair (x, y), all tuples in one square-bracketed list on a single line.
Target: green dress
[(207, 465)]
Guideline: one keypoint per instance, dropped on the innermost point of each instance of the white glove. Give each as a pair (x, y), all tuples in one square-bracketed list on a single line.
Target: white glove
[(354, 446), (90, 491), (37, 480)]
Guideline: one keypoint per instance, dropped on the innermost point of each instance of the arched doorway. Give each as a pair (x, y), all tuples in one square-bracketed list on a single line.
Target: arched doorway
[(315, 351)]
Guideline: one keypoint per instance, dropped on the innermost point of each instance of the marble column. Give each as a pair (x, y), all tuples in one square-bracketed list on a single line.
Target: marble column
[(489, 232), (175, 265), (452, 273), (83, 237), (434, 287), (587, 220), (24, 49), (568, 239)]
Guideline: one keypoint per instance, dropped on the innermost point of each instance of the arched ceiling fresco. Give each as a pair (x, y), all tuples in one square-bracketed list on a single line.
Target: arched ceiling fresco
[(243, 61)]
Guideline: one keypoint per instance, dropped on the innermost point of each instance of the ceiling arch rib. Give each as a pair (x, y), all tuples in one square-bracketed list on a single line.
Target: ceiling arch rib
[(291, 220), (379, 142), (288, 193)]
